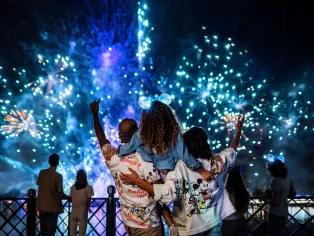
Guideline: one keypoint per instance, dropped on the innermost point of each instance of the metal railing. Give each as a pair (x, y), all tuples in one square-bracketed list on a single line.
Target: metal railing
[(300, 220), (18, 217)]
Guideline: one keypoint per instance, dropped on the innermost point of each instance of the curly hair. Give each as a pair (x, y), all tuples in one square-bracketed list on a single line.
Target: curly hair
[(196, 141), (159, 127)]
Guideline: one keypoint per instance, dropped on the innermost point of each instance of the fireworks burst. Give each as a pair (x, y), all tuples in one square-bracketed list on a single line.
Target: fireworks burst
[(215, 81), (70, 70), (97, 56), (19, 122), (229, 121)]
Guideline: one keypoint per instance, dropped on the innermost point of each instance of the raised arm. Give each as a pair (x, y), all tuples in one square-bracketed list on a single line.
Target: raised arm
[(236, 140), (100, 134)]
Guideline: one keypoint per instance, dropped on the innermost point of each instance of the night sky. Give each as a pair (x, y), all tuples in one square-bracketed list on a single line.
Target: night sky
[(278, 34)]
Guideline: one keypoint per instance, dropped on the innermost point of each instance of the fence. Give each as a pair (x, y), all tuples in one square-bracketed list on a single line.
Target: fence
[(18, 217)]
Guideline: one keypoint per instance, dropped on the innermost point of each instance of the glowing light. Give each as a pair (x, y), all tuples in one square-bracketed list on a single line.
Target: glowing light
[(229, 121), (144, 29), (19, 122)]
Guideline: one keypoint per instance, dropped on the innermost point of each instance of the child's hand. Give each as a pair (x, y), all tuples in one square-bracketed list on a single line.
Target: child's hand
[(94, 106), (132, 178), (206, 175)]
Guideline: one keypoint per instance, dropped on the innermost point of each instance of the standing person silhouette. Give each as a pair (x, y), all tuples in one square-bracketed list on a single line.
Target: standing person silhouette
[(280, 189), (50, 195), (81, 193)]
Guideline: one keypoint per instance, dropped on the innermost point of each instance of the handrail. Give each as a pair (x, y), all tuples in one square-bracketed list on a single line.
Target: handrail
[(17, 217)]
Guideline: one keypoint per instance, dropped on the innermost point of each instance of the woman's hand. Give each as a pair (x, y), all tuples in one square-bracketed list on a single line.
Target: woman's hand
[(240, 122), (132, 178)]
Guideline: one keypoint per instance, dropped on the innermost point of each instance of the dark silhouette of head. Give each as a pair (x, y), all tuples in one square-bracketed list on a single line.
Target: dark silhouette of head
[(237, 191), (277, 169), (54, 160), (127, 127), (196, 140), (160, 127), (81, 179)]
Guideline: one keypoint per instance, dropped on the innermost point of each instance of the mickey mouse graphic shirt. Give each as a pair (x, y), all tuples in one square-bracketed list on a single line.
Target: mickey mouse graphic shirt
[(138, 209), (195, 201)]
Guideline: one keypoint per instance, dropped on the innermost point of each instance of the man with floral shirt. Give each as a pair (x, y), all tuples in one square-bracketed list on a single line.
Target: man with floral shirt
[(138, 209)]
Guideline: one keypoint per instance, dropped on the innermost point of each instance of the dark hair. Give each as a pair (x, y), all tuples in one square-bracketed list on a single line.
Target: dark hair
[(81, 179), (127, 127), (237, 191), (196, 141), (277, 169), (160, 127), (54, 159)]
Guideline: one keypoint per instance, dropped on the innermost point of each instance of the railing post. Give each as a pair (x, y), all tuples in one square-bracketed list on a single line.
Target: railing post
[(111, 212), (31, 213), (69, 215)]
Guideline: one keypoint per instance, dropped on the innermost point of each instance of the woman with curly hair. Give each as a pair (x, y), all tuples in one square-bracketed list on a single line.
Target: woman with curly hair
[(281, 188), (160, 141)]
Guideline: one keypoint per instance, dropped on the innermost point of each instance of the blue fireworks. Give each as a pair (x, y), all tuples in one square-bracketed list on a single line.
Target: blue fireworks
[(45, 108)]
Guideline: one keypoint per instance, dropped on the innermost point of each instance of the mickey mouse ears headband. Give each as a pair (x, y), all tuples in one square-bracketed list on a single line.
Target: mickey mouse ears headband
[(146, 102), (272, 157)]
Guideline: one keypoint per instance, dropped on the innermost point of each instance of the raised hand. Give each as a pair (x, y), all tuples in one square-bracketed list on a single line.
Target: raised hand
[(236, 139), (240, 122), (94, 106)]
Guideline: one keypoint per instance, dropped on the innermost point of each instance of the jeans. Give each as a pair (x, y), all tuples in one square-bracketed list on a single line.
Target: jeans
[(157, 231), (275, 224), (166, 161), (48, 223), (236, 227), (215, 231)]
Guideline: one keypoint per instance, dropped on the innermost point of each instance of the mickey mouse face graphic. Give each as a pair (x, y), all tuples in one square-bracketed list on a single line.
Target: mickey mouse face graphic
[(151, 176), (201, 185), (203, 188)]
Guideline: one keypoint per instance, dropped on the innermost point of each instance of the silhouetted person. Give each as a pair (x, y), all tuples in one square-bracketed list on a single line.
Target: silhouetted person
[(81, 193), (50, 195), (280, 189), (235, 224)]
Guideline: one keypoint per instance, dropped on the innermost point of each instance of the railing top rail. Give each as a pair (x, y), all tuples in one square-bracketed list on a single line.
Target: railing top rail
[(12, 198), (297, 197), (103, 198)]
